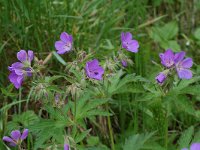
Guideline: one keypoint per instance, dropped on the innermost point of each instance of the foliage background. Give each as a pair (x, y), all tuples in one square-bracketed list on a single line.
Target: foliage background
[(96, 26)]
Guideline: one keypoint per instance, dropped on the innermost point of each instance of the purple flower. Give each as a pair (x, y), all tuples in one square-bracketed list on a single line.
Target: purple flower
[(128, 43), (19, 70), (66, 147), (15, 137), (194, 146), (65, 43), (167, 58), (161, 77), (124, 63), (94, 70), (183, 65)]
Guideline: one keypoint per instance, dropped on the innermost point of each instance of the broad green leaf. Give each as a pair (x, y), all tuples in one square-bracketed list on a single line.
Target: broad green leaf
[(186, 138), (137, 141), (197, 33)]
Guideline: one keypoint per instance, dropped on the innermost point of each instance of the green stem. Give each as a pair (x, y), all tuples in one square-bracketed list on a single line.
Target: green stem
[(110, 131), (166, 129)]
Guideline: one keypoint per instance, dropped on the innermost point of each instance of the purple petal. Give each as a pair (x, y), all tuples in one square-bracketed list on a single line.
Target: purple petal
[(66, 147), (160, 78), (64, 37), (195, 146), (92, 64), (61, 47), (93, 70), (179, 57), (122, 37), (133, 46), (24, 134), (30, 55), (15, 79), (167, 59), (184, 73), (124, 63), (187, 63), (8, 139), (22, 55), (15, 135), (70, 38), (127, 36)]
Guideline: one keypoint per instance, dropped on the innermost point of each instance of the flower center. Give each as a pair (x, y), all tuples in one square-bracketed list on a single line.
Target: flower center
[(67, 46)]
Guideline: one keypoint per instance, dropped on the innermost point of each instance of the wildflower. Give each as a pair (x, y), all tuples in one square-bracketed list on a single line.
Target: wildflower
[(94, 70), (161, 77), (194, 146), (66, 147), (19, 70), (65, 43), (16, 137), (124, 63), (128, 43), (183, 66), (167, 58)]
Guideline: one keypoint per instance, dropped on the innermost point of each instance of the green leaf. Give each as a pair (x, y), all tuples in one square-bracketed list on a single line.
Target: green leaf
[(93, 140), (80, 136), (170, 30), (59, 58), (197, 33), (171, 44), (136, 142), (186, 138)]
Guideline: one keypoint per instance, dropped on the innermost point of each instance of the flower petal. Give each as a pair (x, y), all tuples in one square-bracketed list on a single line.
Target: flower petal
[(187, 63), (127, 36), (160, 78), (8, 139), (30, 55), (24, 134), (195, 146), (122, 37), (66, 147), (167, 59), (22, 55), (133, 46), (184, 73), (93, 64), (13, 77), (60, 47), (15, 135), (179, 56), (124, 63), (64, 37)]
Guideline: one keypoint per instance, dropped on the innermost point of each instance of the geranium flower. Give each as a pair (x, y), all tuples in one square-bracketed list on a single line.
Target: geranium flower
[(94, 70), (128, 43), (183, 66), (65, 43), (16, 137), (19, 70)]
